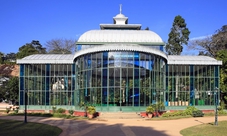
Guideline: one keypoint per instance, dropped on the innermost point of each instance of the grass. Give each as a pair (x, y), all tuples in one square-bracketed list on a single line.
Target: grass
[(171, 118), (206, 130), (18, 128)]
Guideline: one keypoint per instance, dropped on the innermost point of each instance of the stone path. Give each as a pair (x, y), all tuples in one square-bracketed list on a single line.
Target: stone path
[(119, 127)]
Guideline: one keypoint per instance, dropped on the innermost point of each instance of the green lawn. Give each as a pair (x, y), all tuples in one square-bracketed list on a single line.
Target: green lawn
[(19, 128), (206, 130)]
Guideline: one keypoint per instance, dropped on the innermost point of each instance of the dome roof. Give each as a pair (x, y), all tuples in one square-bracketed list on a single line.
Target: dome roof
[(120, 36)]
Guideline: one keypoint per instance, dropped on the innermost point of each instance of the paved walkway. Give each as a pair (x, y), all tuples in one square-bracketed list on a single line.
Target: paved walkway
[(119, 127)]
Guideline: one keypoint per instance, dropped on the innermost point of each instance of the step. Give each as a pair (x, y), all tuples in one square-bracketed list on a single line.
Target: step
[(119, 115)]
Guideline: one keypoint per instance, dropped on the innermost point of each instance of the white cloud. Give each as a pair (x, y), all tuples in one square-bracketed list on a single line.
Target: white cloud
[(200, 37)]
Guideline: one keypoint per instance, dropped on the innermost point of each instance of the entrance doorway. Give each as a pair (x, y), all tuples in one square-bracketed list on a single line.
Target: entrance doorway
[(120, 87)]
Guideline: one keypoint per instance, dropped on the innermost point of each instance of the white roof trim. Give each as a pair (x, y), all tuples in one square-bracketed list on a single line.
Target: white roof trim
[(47, 59), (120, 36), (120, 47), (192, 60)]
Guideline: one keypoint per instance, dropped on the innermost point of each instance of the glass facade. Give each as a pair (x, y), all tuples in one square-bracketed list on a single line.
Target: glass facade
[(191, 85), (47, 84), (119, 79)]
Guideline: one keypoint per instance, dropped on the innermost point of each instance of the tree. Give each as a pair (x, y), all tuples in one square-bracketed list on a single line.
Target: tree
[(178, 36), (211, 45), (220, 38), (61, 46), (30, 48), (1, 57), (11, 90), (204, 46), (38, 47), (10, 57)]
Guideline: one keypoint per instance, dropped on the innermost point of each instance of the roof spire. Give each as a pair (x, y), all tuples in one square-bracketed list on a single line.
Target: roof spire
[(120, 8)]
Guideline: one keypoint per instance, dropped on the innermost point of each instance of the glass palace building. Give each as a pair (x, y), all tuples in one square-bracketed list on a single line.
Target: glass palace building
[(118, 68)]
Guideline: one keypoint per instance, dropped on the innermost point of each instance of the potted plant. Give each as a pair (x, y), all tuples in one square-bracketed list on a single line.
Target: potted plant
[(150, 110), (91, 111)]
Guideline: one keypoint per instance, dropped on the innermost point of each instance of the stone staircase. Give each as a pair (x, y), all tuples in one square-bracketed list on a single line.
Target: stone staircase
[(119, 115)]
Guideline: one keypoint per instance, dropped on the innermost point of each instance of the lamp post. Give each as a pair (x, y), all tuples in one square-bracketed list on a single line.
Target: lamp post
[(216, 105), (25, 108)]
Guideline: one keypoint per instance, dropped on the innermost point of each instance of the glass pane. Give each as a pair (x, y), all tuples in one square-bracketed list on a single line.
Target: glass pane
[(117, 76), (136, 77), (111, 76)]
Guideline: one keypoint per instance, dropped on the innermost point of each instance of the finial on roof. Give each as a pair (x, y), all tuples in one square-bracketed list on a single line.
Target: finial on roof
[(120, 8)]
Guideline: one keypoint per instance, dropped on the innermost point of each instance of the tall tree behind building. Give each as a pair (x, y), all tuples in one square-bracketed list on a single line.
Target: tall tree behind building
[(178, 36), (61, 46), (30, 48)]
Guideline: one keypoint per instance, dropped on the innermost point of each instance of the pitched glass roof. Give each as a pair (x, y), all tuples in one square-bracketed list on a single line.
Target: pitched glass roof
[(193, 60), (47, 59)]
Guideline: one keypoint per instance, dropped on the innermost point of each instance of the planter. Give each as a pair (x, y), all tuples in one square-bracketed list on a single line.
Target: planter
[(175, 103), (90, 111), (150, 115), (90, 116)]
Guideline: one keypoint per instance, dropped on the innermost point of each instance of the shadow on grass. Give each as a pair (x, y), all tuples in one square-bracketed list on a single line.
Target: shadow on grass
[(19, 128)]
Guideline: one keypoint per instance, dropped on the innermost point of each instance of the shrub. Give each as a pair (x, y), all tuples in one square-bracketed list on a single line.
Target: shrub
[(91, 110), (16, 111), (71, 112), (150, 109), (222, 112), (174, 114), (189, 110), (182, 113), (178, 113), (60, 110), (197, 113), (167, 114)]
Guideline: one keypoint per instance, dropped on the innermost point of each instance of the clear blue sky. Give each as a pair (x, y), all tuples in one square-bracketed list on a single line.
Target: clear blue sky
[(22, 21)]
